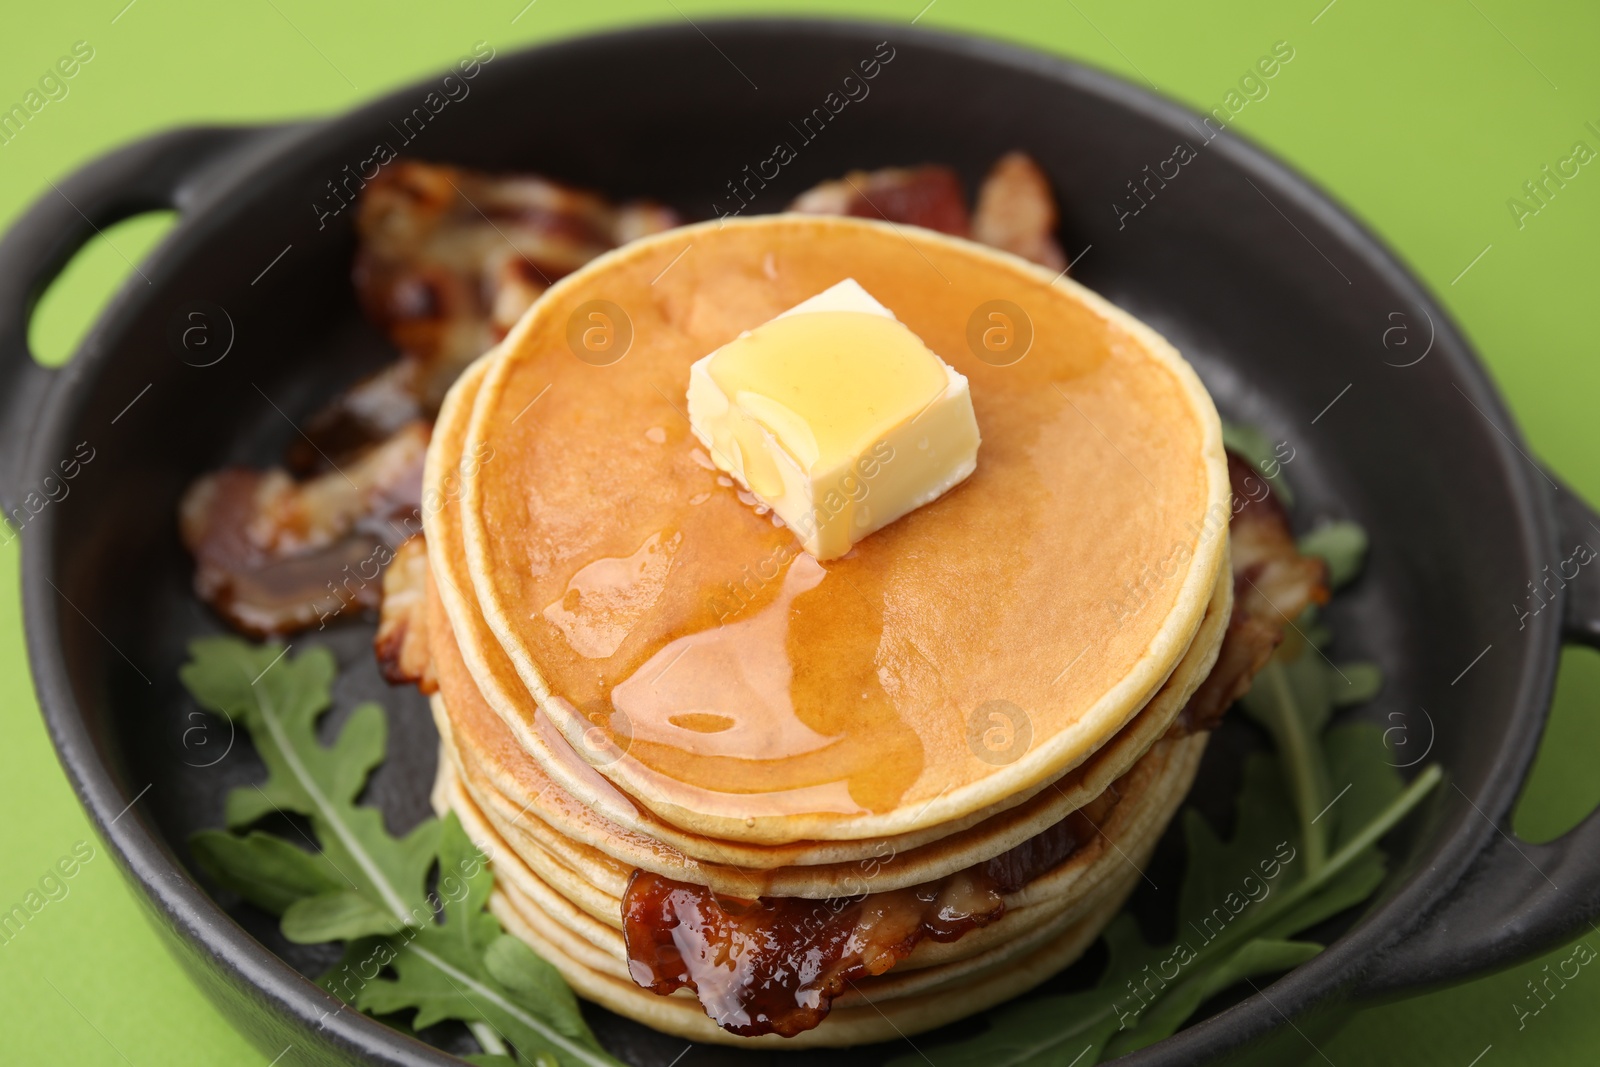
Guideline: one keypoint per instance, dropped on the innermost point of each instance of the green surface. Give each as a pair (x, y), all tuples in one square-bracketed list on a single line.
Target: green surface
[(1424, 118)]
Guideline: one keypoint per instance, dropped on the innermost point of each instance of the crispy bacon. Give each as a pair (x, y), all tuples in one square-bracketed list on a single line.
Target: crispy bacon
[(1272, 584), (1016, 211), (448, 261), (401, 643), (274, 555), (929, 196)]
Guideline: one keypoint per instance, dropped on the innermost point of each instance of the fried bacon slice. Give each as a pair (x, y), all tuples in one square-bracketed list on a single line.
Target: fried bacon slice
[(401, 643), (1016, 211), (448, 259), (929, 196), (1272, 584), (274, 555)]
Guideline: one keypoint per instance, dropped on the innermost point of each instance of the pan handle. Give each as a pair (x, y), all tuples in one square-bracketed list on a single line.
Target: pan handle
[(1518, 899), (156, 173)]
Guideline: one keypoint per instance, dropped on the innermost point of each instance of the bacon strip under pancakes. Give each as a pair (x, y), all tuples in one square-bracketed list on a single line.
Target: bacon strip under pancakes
[(448, 260), (774, 965)]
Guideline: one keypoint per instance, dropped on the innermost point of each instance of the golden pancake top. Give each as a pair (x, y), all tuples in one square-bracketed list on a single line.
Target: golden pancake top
[(735, 686)]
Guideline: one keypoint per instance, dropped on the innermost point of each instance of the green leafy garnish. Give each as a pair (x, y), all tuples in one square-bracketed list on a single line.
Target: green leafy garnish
[(1361, 682), (435, 951), (1304, 849), (1342, 545)]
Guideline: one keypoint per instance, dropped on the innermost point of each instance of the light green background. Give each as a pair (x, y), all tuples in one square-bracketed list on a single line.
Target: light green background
[(1421, 117)]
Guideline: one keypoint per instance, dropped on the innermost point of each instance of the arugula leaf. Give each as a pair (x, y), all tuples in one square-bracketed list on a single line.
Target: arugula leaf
[(1240, 905), (1264, 831), (444, 970), (338, 915), (1358, 763), (1362, 682), (1312, 629), (526, 974), (1342, 545), (1290, 699), (437, 952), (1067, 1030), (267, 871), (279, 700)]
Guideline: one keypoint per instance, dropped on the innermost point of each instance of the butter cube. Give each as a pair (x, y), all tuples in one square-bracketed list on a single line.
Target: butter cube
[(836, 416)]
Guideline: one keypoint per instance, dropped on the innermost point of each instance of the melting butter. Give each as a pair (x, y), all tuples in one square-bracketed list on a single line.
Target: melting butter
[(836, 416)]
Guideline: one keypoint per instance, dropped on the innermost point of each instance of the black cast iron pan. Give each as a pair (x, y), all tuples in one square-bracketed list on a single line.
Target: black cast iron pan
[(1283, 303)]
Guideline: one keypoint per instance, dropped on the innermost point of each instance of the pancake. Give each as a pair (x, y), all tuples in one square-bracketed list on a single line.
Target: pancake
[(599, 880), (1101, 460), (583, 903)]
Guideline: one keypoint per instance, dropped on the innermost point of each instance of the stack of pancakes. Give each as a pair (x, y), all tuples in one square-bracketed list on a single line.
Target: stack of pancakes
[(735, 793)]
